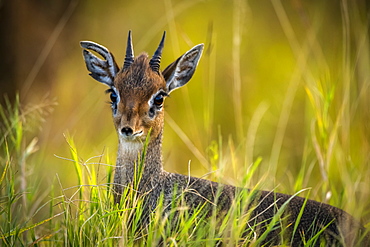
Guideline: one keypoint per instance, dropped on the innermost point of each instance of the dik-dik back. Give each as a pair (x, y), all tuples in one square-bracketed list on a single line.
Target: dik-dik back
[(137, 93)]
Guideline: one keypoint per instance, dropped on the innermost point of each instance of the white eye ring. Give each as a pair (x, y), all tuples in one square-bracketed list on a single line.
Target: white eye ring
[(161, 94), (115, 98), (156, 102)]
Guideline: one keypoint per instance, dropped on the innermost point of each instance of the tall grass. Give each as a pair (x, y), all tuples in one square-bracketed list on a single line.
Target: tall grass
[(334, 163), (21, 200), (89, 217)]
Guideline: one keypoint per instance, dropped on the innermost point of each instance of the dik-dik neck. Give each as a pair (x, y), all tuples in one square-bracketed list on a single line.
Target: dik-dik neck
[(128, 163)]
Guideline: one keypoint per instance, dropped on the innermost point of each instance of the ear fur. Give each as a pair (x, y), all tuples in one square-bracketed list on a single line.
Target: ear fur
[(103, 71), (178, 73)]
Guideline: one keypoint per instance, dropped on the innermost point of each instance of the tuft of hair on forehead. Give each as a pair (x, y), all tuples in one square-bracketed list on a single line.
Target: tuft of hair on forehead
[(139, 74), (139, 80)]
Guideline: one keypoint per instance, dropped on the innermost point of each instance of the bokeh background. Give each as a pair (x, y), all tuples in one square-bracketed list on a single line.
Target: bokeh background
[(284, 81)]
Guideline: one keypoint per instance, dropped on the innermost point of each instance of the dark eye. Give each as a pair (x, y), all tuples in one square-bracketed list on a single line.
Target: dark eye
[(113, 97), (157, 103), (158, 100)]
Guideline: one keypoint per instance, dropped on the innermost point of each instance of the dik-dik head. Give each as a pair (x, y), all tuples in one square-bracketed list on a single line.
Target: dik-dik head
[(138, 89)]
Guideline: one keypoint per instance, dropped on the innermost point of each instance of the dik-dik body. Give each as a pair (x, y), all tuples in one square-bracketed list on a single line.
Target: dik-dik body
[(137, 93)]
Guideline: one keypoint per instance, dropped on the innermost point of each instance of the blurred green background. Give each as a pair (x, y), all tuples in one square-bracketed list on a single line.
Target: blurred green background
[(286, 81)]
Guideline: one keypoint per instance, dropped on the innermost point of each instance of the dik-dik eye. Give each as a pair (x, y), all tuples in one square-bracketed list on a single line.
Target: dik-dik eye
[(158, 100), (113, 97), (156, 103)]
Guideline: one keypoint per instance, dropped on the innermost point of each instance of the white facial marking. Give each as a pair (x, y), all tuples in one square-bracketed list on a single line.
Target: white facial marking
[(114, 103), (151, 101)]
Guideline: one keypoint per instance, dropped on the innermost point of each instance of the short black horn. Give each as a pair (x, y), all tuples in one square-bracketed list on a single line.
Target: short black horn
[(156, 59), (129, 59)]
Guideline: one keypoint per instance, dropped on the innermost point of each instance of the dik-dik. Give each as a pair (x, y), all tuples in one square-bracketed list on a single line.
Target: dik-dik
[(137, 92)]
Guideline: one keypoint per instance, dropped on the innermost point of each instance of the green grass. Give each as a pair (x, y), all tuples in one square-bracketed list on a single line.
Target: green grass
[(89, 217), (323, 122)]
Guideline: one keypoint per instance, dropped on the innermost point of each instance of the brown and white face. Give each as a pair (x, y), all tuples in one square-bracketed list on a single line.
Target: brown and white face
[(137, 99), (138, 90)]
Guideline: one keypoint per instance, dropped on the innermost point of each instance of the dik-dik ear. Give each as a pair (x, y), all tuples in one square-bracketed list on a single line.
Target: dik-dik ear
[(178, 73), (101, 70)]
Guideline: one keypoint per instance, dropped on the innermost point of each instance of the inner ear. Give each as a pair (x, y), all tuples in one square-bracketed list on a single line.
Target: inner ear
[(170, 70), (103, 70), (178, 73)]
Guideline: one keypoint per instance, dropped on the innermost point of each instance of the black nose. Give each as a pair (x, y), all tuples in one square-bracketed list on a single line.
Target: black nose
[(127, 131)]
